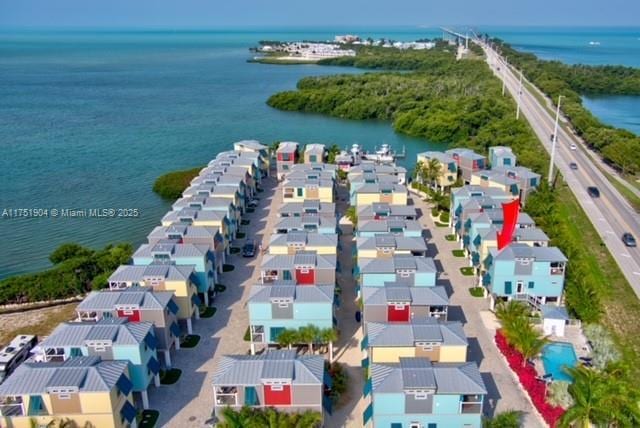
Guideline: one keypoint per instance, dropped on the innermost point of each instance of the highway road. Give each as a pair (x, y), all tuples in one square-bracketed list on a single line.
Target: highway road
[(610, 214)]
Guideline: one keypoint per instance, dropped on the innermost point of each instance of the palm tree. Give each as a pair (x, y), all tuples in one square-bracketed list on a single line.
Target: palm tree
[(588, 391), (237, 419), (309, 334), (508, 419), (431, 171), (508, 312), (329, 335), (529, 342), (288, 337), (308, 419)]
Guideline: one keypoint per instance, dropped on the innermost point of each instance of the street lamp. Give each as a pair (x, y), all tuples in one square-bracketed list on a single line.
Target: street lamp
[(554, 140)]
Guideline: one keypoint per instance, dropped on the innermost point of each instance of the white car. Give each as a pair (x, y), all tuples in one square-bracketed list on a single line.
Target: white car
[(573, 147)]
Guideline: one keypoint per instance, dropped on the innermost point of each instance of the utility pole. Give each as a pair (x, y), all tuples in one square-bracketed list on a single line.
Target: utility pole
[(519, 97), (554, 140)]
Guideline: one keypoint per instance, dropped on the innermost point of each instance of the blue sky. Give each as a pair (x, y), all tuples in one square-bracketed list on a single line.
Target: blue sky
[(220, 13)]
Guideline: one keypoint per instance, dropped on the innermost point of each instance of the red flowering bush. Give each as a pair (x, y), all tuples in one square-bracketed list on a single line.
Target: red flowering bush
[(527, 375)]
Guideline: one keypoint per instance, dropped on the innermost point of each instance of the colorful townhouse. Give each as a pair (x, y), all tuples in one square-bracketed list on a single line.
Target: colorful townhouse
[(314, 153), (235, 182), (284, 305), (418, 393), (398, 302), (492, 178), (440, 341), (286, 157), (448, 171), (254, 146), (110, 339), (532, 274), (137, 304), (307, 223), (480, 197), (252, 161), (528, 181), (294, 242), (501, 156), (385, 211), (468, 162), (395, 194), (369, 167), (313, 170), (206, 203), (360, 180), (304, 267), (369, 228), (279, 379), (187, 234), (414, 271), (197, 255), (179, 279), (310, 207), (386, 246), (85, 390), (302, 190), (232, 192), (198, 217)]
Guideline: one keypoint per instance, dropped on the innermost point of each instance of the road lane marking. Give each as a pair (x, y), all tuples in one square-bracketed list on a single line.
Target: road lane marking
[(636, 273), (610, 232), (625, 255)]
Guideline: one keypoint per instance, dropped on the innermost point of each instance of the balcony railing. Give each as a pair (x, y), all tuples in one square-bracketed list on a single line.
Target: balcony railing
[(475, 407), (11, 406)]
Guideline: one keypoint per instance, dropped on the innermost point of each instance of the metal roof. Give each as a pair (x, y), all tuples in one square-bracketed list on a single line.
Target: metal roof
[(118, 330), (417, 373), (449, 333), (107, 300), (418, 296), (550, 311), (524, 251), (299, 294), (396, 262)]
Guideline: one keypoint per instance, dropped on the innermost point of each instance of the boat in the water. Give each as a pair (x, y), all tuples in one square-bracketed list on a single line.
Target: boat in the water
[(353, 156), (594, 43)]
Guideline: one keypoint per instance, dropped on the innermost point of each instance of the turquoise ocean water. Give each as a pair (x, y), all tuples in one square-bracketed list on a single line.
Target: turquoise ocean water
[(90, 119)]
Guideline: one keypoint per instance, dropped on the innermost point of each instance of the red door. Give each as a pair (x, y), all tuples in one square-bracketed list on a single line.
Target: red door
[(305, 276), (275, 395), (131, 315), (398, 313)]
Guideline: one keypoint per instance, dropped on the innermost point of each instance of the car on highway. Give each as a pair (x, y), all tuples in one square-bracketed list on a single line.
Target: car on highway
[(593, 191), (249, 248), (573, 166), (573, 147), (629, 240)]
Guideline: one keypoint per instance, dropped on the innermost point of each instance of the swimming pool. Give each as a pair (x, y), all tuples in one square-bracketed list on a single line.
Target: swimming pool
[(556, 356)]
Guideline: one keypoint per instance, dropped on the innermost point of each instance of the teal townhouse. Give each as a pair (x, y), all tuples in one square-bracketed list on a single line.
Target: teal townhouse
[(468, 162), (238, 164), (399, 302), (447, 168), (521, 272), (254, 146), (493, 178), (278, 379), (481, 197), (137, 304), (385, 211), (189, 234), (206, 211), (308, 207), (181, 280), (251, 160), (368, 228), (234, 193), (307, 223), (284, 305), (110, 339), (358, 181), (386, 246), (501, 156), (197, 255), (528, 180), (304, 268), (294, 242), (370, 167), (238, 181), (418, 393), (232, 170), (313, 170), (415, 271)]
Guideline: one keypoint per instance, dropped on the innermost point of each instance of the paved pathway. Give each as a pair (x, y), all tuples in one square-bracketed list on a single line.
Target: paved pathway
[(189, 403), (504, 390)]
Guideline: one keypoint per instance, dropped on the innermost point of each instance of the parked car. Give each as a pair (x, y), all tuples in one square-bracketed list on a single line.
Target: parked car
[(573, 147), (593, 191), (628, 239), (358, 316), (573, 165), (249, 248)]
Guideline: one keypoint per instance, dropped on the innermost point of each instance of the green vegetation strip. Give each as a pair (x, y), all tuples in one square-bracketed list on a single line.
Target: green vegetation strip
[(467, 271), (207, 312), (148, 418), (476, 291), (450, 237), (169, 377), (171, 185), (458, 253), (190, 341)]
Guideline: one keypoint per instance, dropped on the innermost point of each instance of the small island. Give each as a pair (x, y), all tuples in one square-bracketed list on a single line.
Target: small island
[(170, 185)]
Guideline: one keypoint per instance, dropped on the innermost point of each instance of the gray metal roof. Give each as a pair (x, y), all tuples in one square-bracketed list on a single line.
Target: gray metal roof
[(384, 226), (440, 156), (402, 243), (395, 263), (530, 234), (464, 153), (175, 251), (107, 300), (550, 311), (379, 187), (118, 330), (139, 273), (88, 374), (417, 373), (287, 147), (310, 239), (306, 219), (306, 258), (323, 208), (524, 251), (281, 364), (250, 144), (314, 148), (448, 333), (418, 296), (299, 294), (369, 211)]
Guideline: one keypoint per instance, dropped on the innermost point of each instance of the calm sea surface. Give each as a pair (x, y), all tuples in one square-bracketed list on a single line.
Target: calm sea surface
[(90, 119)]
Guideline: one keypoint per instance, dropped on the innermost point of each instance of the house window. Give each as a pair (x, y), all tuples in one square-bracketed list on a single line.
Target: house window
[(396, 425), (507, 287), (415, 425), (300, 191), (432, 425), (64, 396), (531, 284), (277, 387)]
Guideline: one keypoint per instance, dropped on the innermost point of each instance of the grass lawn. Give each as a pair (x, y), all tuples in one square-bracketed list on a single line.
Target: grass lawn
[(38, 321), (476, 291), (438, 224), (190, 341), (450, 237), (458, 253), (245, 222), (240, 235), (169, 377), (148, 418), (227, 268), (234, 250), (621, 305), (207, 312), (467, 271), (219, 288)]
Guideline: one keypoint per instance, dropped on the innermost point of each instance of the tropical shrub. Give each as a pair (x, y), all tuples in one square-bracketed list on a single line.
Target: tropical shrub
[(604, 349), (558, 394), (171, 185), (249, 417), (508, 419)]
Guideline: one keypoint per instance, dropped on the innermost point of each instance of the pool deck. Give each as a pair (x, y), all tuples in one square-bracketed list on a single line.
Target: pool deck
[(574, 336)]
